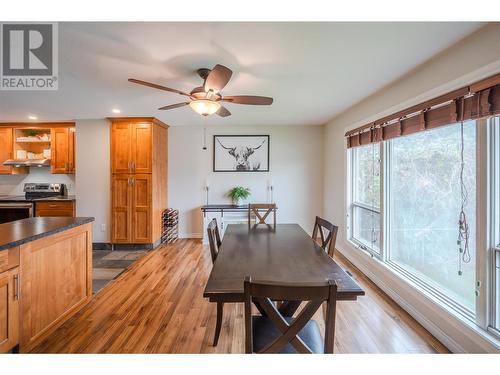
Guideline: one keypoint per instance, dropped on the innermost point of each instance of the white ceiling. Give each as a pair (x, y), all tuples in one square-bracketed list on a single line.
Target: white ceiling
[(314, 71)]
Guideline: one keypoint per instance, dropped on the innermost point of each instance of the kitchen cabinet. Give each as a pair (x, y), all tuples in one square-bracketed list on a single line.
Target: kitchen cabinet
[(28, 144), (131, 207), (121, 207), (9, 309), (55, 208), (131, 147), (6, 148), (55, 282), (139, 179), (63, 150), (141, 208), (121, 147), (9, 299), (72, 150)]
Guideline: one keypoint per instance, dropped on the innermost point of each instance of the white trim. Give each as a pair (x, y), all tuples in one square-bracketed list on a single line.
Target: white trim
[(483, 222), (458, 335)]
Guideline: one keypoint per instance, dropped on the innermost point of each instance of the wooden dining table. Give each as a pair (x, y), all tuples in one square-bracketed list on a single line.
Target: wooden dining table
[(284, 253)]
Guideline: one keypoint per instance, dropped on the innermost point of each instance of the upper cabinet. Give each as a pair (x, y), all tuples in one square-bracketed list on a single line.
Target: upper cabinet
[(37, 144), (63, 150), (141, 148), (6, 149), (131, 145)]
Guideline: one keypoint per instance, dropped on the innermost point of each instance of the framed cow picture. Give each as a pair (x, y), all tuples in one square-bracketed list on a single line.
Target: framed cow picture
[(241, 153)]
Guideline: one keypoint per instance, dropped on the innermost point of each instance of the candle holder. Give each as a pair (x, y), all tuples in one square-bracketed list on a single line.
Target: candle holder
[(207, 189), (270, 186)]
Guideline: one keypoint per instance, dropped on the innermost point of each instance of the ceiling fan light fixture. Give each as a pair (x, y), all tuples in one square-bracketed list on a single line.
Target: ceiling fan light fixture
[(204, 107)]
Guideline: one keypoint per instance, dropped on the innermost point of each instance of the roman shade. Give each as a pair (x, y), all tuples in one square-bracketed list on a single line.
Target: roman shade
[(477, 100)]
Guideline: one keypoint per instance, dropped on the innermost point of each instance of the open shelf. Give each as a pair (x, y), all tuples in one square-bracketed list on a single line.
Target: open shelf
[(34, 142)]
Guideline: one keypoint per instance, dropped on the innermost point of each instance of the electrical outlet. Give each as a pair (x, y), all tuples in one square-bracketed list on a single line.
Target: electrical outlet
[(103, 227)]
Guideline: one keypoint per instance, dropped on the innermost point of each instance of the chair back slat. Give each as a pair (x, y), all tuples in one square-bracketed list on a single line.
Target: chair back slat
[(260, 218), (263, 293), (326, 240), (213, 239)]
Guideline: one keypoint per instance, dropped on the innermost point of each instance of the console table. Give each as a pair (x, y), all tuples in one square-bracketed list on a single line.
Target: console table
[(225, 214)]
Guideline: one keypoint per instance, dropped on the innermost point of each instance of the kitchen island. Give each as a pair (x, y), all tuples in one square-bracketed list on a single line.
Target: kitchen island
[(45, 277)]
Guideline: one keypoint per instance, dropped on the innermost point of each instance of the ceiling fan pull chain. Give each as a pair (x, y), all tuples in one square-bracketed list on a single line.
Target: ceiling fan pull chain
[(204, 133)]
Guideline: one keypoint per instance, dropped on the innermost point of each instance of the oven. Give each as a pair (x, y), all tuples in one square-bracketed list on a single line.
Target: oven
[(11, 211)]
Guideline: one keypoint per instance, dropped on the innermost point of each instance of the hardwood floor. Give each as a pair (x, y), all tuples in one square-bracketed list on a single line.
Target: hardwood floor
[(156, 306)]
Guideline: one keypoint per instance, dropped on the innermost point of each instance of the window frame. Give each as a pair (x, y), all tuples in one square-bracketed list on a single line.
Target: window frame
[(352, 204), (494, 235), (485, 262)]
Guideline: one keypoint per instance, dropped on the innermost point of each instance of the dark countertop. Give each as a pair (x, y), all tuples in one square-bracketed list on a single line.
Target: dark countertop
[(22, 231), (22, 198)]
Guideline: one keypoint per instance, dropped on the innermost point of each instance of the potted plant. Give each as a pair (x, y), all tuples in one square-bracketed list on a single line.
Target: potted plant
[(238, 193)]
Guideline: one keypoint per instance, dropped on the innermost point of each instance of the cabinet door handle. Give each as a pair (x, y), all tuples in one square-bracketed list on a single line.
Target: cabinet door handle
[(16, 287), (133, 166), (129, 181)]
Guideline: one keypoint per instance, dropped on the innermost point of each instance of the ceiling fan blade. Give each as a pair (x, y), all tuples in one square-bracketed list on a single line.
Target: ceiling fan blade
[(155, 86), (223, 112), (218, 78), (248, 99), (172, 106)]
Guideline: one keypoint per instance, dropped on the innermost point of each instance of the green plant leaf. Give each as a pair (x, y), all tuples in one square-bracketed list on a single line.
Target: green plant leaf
[(239, 192)]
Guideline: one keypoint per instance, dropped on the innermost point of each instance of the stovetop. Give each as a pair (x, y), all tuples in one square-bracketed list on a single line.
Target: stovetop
[(22, 198)]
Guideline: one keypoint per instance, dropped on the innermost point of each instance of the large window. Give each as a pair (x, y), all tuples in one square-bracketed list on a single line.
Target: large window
[(365, 206), (423, 194), (425, 201)]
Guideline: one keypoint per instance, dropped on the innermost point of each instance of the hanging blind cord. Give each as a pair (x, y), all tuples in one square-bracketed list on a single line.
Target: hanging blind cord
[(463, 226), (373, 195)]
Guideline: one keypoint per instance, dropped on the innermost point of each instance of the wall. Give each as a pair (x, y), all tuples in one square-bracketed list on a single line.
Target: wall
[(13, 184), (295, 168), (474, 58), (92, 174)]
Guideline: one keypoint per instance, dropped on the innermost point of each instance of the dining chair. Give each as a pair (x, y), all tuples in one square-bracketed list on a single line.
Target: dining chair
[(213, 238), (256, 209), (274, 333), (326, 240), (215, 242)]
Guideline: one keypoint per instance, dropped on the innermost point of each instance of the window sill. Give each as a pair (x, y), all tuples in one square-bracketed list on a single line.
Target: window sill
[(364, 248), (423, 306)]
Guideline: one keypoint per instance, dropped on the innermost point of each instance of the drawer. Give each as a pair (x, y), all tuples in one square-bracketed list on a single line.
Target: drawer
[(9, 258), (54, 208)]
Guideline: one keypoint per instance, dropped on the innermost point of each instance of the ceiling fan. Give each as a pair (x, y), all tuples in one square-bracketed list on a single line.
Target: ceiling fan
[(206, 99)]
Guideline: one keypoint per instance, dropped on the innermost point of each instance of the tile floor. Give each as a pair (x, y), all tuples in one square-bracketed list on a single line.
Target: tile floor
[(107, 265)]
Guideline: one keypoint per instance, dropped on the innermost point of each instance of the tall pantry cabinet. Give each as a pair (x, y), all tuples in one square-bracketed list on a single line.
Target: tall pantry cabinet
[(138, 179)]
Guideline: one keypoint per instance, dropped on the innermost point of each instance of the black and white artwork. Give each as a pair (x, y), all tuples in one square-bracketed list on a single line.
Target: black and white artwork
[(241, 153)]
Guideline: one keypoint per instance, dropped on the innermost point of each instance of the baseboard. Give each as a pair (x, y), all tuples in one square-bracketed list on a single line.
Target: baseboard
[(476, 342), (102, 246), (125, 246), (190, 235)]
